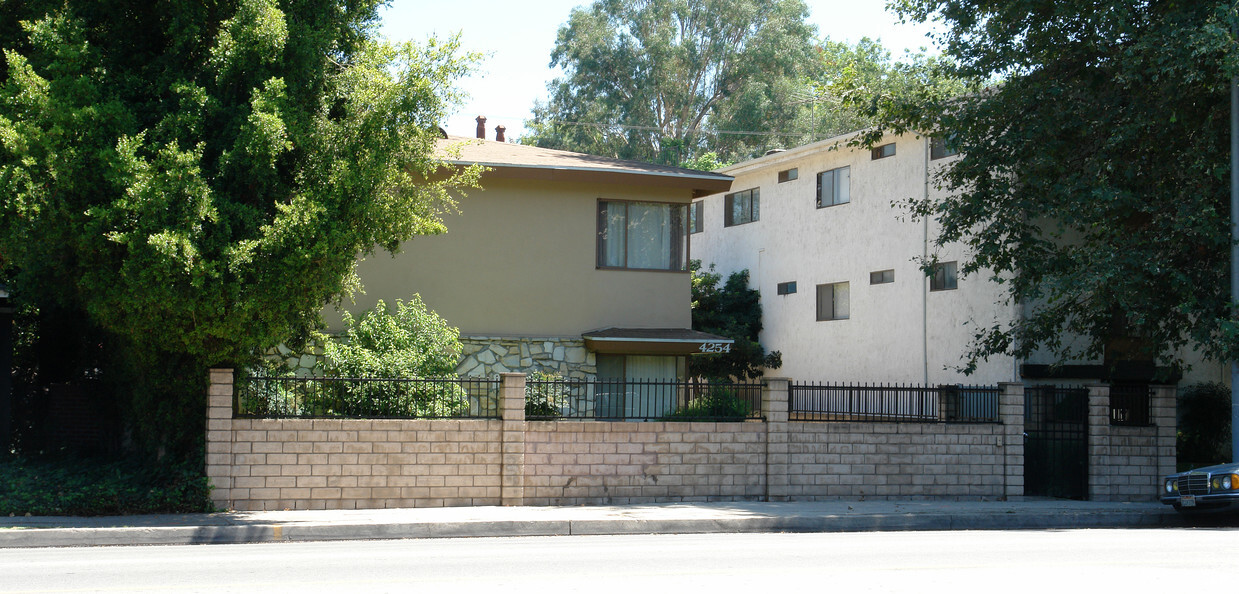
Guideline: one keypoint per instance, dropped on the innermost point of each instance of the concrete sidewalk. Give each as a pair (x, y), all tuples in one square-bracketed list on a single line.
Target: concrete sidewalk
[(832, 516)]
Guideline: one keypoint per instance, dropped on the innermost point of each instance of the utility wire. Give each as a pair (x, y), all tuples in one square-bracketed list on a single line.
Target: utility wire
[(601, 125)]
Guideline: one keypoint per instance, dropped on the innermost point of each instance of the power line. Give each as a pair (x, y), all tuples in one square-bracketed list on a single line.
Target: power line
[(604, 126)]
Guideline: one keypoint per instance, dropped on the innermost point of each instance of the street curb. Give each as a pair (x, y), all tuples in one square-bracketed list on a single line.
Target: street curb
[(311, 532)]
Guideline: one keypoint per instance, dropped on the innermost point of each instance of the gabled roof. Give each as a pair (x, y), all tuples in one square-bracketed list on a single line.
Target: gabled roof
[(518, 161)]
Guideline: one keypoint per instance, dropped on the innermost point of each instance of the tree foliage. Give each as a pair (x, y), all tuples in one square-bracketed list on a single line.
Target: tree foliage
[(648, 79), (1094, 170), (410, 342), (1204, 424), (857, 83), (734, 311), (200, 177)]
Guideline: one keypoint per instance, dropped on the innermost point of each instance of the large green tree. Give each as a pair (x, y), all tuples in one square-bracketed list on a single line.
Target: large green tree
[(651, 79), (1093, 176), (198, 178)]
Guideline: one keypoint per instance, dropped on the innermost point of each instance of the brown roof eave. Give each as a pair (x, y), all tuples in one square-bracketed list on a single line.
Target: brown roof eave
[(700, 186)]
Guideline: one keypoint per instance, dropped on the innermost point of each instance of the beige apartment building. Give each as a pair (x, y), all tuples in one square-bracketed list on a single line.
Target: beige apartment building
[(561, 262)]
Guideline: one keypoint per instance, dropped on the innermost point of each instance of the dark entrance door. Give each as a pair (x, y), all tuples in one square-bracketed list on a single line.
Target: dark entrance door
[(1056, 442)]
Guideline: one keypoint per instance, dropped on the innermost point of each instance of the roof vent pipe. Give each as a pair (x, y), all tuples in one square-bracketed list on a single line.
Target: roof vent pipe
[(482, 127), (499, 130)]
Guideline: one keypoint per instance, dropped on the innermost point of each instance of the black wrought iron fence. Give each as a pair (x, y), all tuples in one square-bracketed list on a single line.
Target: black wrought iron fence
[(1129, 404), (642, 400), (259, 396), (893, 403)]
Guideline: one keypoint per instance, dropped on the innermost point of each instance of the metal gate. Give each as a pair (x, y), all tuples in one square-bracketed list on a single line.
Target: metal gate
[(1056, 442)]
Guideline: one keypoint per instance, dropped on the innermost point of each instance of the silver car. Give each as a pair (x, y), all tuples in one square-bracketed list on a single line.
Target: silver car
[(1208, 488)]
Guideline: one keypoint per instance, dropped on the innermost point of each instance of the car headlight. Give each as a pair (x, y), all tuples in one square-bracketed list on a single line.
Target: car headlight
[(1172, 486), (1225, 482)]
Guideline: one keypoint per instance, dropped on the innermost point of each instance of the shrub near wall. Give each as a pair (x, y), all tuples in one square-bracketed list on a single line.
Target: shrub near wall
[(96, 487)]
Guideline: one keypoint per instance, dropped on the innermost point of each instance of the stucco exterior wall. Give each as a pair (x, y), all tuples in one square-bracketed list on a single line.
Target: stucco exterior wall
[(519, 259), (896, 332)]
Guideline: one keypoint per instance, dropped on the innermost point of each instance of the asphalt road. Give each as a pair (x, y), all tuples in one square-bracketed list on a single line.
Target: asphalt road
[(1151, 560)]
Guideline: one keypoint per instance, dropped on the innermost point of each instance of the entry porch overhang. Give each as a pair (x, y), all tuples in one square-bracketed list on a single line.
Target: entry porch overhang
[(655, 341)]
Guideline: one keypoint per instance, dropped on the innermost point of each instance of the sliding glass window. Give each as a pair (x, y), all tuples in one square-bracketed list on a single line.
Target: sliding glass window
[(642, 235)]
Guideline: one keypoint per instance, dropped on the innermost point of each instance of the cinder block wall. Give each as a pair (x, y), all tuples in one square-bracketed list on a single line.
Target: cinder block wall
[(264, 464), (347, 464), (895, 461), (1127, 463), (257, 464), (594, 463), (849, 460)]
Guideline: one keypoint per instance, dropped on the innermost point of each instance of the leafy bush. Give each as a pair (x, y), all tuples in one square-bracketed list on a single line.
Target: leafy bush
[(411, 342), (717, 403), (540, 400), (732, 310), (95, 487), (1204, 424)]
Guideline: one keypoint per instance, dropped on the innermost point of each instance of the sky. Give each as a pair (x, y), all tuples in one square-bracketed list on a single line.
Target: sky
[(517, 37)]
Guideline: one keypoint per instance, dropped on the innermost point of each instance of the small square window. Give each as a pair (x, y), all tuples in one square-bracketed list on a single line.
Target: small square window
[(832, 302), (941, 148), (945, 278), (694, 216), (787, 288), (881, 277), (788, 175), (741, 207), (884, 151), (834, 187)]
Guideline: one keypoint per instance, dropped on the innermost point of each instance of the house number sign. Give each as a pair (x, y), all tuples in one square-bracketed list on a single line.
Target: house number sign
[(715, 347)]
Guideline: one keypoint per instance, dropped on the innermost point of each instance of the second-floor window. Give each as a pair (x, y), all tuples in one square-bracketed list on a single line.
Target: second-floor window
[(833, 302), (941, 148), (834, 187), (945, 278), (881, 277), (642, 235), (741, 207)]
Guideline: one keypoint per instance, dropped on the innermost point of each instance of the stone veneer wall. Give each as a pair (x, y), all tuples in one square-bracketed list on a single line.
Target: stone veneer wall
[(257, 464), (302, 364), (481, 356), (489, 356)]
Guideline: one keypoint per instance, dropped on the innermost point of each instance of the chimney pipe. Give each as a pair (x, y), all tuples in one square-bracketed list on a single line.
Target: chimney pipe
[(481, 127), (499, 130)]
